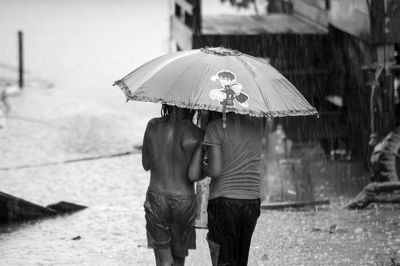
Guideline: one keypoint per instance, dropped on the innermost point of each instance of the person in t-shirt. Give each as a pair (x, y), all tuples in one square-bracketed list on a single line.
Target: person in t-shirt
[(234, 156)]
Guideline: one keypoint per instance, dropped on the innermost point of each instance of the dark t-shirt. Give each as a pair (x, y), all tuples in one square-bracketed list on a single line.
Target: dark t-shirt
[(240, 143)]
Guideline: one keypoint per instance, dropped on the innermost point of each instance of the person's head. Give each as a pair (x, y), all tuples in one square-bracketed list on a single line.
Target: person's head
[(165, 110), (177, 113)]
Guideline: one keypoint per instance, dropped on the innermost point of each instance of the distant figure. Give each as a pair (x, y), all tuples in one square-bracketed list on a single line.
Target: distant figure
[(234, 156), (170, 206), (4, 107)]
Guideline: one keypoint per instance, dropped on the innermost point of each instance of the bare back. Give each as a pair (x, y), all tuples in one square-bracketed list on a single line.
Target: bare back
[(168, 147)]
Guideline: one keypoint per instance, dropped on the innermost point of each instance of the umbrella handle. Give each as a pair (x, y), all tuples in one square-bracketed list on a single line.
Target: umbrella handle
[(224, 115)]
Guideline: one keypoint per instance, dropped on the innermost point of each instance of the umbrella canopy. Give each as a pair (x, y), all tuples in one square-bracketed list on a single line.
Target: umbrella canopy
[(216, 79)]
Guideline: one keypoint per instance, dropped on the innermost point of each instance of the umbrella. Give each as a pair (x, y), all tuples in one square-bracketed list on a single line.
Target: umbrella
[(216, 79)]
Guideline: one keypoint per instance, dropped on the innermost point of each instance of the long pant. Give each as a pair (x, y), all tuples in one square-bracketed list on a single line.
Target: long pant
[(231, 224)]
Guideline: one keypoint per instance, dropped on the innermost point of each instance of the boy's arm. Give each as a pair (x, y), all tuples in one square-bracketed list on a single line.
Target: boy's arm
[(145, 150), (195, 168)]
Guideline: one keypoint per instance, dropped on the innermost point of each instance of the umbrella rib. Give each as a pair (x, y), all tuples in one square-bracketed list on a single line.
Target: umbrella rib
[(293, 92), (160, 66), (247, 66), (205, 76), (289, 86), (279, 95), (183, 73), (266, 101)]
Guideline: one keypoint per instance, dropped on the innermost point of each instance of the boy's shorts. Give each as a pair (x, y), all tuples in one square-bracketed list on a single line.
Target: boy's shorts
[(170, 222)]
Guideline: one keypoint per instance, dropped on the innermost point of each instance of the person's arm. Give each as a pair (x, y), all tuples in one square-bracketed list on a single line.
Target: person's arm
[(195, 168), (213, 168), (212, 145), (145, 150)]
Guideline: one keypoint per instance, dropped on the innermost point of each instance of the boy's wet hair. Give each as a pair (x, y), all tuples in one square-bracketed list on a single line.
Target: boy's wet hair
[(166, 111)]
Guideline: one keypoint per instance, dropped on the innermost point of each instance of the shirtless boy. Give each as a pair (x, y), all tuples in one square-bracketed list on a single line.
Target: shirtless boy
[(170, 206)]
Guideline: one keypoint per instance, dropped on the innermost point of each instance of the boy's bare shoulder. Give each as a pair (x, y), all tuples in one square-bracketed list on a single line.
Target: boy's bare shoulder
[(153, 126), (153, 122)]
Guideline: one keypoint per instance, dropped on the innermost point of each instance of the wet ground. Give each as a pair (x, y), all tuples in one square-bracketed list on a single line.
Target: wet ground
[(69, 111), (111, 231)]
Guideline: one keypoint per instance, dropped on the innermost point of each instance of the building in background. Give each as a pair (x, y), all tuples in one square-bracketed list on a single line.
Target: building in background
[(340, 54)]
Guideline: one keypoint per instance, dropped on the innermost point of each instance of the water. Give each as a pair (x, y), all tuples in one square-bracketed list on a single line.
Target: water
[(111, 230), (81, 47)]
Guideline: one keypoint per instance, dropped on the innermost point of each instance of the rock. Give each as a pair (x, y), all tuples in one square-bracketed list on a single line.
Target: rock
[(15, 209), (332, 228), (360, 230), (65, 207)]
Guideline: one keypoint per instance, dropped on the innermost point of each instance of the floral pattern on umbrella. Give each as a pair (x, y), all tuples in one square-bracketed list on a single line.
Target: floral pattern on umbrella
[(230, 91)]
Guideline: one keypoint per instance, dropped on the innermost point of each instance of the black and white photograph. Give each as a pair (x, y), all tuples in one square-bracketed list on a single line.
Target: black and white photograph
[(200, 132)]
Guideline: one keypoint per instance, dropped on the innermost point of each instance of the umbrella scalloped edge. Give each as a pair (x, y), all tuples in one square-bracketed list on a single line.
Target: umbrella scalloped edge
[(283, 113)]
